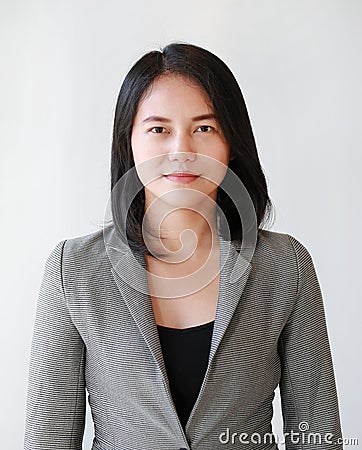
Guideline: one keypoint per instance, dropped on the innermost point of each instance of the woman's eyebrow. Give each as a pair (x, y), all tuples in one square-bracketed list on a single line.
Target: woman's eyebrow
[(165, 119), (156, 119), (204, 117)]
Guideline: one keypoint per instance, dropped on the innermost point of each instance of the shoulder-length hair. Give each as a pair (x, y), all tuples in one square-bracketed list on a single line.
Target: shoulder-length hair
[(221, 87)]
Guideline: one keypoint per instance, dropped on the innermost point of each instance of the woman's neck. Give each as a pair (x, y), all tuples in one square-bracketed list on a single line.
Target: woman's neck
[(182, 233)]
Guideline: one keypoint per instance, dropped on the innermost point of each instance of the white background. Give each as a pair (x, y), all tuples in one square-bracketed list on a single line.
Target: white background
[(62, 63)]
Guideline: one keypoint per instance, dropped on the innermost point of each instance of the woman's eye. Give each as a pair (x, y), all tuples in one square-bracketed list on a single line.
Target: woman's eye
[(205, 128), (158, 130)]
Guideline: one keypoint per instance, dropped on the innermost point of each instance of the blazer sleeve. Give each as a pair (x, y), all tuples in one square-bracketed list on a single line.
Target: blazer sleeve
[(307, 385), (55, 409)]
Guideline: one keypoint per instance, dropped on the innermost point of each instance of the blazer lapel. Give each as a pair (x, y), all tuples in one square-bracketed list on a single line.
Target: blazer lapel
[(131, 278), (234, 272), (130, 275)]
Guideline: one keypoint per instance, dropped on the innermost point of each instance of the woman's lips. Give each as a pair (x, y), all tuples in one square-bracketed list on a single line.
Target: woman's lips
[(181, 177)]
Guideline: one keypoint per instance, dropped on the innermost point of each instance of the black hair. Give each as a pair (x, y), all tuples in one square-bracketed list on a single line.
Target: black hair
[(218, 82)]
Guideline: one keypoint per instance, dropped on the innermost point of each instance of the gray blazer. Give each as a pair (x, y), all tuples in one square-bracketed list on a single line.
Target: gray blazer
[(96, 333)]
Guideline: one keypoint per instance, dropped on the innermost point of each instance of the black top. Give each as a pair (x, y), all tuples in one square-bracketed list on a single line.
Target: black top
[(186, 353)]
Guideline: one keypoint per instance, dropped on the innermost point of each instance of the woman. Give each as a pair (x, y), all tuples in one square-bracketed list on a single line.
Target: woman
[(182, 316)]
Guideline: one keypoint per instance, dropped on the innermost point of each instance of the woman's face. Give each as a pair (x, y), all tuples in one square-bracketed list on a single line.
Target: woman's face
[(175, 130)]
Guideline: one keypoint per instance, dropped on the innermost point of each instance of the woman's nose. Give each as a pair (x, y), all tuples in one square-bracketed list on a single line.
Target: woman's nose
[(181, 148)]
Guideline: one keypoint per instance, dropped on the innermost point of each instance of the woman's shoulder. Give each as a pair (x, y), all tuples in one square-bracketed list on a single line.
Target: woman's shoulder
[(81, 261), (282, 249), (90, 243), (280, 241), (79, 252)]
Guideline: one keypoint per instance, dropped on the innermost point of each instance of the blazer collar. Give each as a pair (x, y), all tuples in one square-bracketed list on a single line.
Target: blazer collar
[(130, 275)]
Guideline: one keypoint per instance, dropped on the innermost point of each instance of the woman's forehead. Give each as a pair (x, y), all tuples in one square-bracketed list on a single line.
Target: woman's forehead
[(168, 87)]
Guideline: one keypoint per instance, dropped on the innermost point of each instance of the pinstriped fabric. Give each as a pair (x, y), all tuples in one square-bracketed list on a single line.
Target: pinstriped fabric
[(95, 331), (306, 363), (56, 368)]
